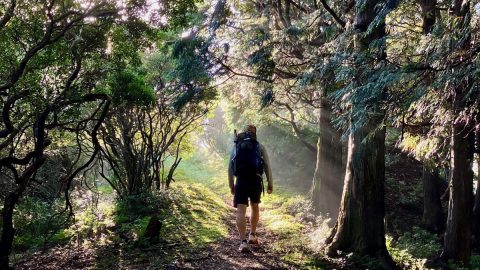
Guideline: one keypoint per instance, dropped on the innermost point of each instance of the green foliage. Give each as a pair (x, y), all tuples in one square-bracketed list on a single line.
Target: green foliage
[(190, 75), (189, 62), (137, 206), (364, 262), (128, 88), (40, 224), (412, 248), (181, 14), (262, 63), (92, 222), (183, 70)]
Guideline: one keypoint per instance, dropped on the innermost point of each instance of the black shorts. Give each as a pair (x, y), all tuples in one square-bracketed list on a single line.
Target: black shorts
[(247, 188)]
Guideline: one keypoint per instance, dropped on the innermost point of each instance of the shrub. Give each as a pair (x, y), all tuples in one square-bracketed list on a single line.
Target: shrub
[(413, 248), (39, 223), (136, 206)]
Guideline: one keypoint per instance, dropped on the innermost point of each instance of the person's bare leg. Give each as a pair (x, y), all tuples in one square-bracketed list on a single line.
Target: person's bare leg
[(241, 224), (254, 217)]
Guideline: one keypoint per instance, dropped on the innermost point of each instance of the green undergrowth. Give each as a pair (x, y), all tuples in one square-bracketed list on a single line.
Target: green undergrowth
[(413, 248), (192, 216), (286, 214), (39, 225)]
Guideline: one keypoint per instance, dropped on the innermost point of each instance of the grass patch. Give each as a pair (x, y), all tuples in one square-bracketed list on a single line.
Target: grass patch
[(196, 216)]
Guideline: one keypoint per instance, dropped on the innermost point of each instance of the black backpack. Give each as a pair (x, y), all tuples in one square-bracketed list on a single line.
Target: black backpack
[(248, 158)]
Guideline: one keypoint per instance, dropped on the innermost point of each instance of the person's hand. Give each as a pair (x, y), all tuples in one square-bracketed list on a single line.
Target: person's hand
[(269, 189), (232, 190)]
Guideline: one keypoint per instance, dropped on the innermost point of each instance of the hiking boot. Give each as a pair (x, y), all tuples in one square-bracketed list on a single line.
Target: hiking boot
[(244, 247), (252, 239)]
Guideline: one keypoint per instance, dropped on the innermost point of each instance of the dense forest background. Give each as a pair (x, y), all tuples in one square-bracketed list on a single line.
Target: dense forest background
[(117, 121)]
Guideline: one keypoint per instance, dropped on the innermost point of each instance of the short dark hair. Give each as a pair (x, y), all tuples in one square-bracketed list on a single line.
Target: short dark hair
[(251, 128)]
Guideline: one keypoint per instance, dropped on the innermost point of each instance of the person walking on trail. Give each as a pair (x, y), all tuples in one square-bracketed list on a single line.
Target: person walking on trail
[(248, 162)]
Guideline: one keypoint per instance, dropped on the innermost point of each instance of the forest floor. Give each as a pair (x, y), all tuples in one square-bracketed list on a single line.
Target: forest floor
[(221, 254), (199, 230)]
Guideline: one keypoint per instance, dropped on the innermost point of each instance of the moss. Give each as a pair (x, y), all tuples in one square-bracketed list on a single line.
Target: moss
[(197, 216)]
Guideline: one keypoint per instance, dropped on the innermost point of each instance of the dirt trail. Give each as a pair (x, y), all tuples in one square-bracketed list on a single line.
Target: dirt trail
[(224, 253)]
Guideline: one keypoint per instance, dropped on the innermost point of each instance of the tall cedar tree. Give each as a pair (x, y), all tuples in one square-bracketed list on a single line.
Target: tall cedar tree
[(360, 226), (432, 218), (457, 243)]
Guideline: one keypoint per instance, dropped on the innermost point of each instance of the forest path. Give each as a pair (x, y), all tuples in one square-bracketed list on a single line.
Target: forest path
[(224, 254)]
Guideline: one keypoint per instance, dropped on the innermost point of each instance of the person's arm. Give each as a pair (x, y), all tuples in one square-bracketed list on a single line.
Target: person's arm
[(268, 168), (231, 183)]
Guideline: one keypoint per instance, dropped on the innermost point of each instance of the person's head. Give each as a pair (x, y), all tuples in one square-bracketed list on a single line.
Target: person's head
[(251, 129)]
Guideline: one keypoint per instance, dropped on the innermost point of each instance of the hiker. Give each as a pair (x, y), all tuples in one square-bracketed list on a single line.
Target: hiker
[(248, 162)]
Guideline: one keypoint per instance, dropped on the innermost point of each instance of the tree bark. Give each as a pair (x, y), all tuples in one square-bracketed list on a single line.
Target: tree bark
[(458, 234), (432, 219), (8, 231), (327, 183), (360, 226)]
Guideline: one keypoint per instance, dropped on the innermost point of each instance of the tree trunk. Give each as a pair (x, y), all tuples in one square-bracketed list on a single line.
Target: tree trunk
[(327, 183), (8, 231), (458, 233), (432, 219), (360, 224), (152, 232)]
